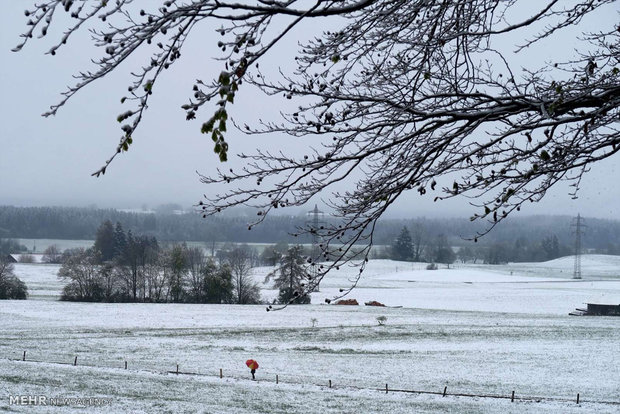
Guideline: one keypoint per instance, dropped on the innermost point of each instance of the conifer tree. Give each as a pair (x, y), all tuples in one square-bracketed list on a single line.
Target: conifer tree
[(403, 246), (289, 276)]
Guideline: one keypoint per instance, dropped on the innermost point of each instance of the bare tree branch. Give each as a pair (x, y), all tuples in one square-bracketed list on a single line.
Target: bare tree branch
[(405, 95)]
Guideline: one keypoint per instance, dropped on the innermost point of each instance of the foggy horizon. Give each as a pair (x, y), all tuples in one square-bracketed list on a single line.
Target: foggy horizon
[(49, 161)]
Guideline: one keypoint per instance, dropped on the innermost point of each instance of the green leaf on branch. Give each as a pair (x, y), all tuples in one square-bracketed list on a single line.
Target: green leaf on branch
[(509, 193), (224, 78), (207, 126)]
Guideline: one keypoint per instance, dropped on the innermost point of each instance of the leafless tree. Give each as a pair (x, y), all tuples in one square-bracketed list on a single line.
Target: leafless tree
[(52, 254), (419, 236), (81, 269), (245, 289), (155, 278), (196, 262), (411, 95), (6, 269)]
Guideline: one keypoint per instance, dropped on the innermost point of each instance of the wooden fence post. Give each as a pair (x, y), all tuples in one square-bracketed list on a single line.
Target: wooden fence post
[(330, 383), (386, 388), (444, 390), (125, 364), (221, 373), (577, 398), (277, 379), (24, 357), (177, 369), (512, 398), (75, 361)]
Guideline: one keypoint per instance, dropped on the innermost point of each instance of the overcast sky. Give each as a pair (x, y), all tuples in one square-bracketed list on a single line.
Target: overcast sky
[(49, 161)]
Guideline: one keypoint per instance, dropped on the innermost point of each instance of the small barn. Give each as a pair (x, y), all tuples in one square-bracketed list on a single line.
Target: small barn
[(597, 309), (603, 310), (11, 258)]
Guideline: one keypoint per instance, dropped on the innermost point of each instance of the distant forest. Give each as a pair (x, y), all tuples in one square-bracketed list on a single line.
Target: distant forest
[(82, 223)]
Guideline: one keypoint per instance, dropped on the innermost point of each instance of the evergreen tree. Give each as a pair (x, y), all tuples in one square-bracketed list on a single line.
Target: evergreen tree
[(218, 286), (442, 252), (551, 247), (288, 277), (178, 268), (403, 246), (120, 240), (104, 241)]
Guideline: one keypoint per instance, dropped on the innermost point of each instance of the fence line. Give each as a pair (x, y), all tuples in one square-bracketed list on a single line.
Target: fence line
[(329, 384)]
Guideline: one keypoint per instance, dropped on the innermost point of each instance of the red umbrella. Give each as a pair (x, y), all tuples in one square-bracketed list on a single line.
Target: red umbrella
[(251, 364)]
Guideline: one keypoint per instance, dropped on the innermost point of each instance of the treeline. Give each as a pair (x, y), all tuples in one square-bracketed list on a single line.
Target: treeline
[(70, 223), (82, 223), (123, 267), (600, 236), (415, 244), (521, 250)]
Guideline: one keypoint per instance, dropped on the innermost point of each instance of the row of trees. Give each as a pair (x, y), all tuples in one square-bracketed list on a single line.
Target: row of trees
[(122, 267), (416, 248), (521, 250), (83, 223), (166, 275)]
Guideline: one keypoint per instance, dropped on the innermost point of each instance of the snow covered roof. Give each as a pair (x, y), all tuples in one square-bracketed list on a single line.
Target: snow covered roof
[(26, 258)]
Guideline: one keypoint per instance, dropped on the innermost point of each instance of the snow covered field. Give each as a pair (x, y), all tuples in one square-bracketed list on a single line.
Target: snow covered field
[(473, 329)]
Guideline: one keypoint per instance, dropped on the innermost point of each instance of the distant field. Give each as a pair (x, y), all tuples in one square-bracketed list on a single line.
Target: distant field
[(39, 245), (473, 329)]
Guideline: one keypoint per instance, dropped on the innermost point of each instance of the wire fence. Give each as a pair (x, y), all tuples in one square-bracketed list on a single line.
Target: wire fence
[(327, 384)]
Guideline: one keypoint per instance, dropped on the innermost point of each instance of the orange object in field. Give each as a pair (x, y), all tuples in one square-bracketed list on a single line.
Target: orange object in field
[(251, 364)]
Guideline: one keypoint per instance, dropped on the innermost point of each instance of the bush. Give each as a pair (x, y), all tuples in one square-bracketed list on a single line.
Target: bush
[(431, 266), (26, 258), (12, 287)]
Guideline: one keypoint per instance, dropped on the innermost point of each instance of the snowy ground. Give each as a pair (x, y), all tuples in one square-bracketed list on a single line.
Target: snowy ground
[(475, 329)]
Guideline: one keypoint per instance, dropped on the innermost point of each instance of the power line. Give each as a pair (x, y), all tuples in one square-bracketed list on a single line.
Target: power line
[(315, 219), (578, 225)]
